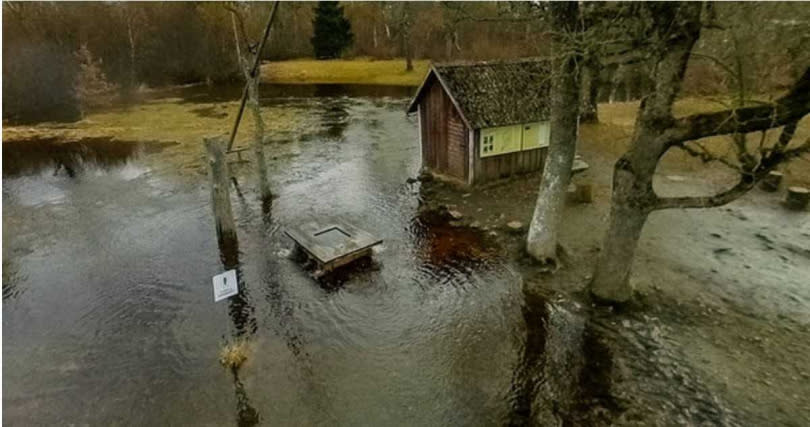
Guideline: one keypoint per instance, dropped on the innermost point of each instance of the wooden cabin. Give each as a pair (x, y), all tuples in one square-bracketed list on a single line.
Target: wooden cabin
[(482, 121)]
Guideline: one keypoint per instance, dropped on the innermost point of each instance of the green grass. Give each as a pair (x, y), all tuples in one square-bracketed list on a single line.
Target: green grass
[(347, 71)]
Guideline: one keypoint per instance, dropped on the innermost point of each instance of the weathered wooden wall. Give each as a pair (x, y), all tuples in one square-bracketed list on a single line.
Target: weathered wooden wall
[(505, 165), (445, 144), (457, 152), (444, 134)]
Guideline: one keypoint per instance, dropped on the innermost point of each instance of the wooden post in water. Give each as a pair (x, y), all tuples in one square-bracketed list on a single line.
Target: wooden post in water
[(220, 195), (265, 194)]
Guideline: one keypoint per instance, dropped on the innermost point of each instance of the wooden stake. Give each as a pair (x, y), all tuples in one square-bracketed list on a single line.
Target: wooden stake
[(797, 198), (220, 195)]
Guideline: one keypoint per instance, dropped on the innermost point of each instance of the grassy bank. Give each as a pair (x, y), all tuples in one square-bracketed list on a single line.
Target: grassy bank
[(347, 71)]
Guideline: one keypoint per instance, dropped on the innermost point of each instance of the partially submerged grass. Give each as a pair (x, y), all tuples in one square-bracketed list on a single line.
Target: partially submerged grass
[(165, 120), (234, 354), (347, 71), (177, 122), (186, 123)]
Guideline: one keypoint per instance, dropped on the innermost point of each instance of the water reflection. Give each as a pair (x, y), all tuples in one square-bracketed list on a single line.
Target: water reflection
[(563, 376), (246, 414), (271, 92), (71, 157), (243, 321), (33, 156), (528, 374), (335, 117), (10, 271), (443, 244)]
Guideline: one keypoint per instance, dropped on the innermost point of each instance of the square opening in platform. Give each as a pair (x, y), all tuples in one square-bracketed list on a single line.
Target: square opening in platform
[(333, 236)]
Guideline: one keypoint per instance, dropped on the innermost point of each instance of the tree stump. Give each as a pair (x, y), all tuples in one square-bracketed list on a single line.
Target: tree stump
[(771, 181), (584, 192), (797, 198), (579, 193)]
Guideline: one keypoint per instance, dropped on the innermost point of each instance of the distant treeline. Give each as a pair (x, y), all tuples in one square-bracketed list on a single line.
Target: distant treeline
[(59, 55)]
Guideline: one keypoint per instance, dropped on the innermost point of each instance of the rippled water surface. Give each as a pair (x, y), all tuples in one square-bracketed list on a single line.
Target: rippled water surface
[(108, 253)]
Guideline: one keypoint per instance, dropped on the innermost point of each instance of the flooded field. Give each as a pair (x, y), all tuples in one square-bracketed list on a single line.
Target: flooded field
[(109, 248)]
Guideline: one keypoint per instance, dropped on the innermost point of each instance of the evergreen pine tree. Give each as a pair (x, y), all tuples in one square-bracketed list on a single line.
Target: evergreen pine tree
[(333, 32)]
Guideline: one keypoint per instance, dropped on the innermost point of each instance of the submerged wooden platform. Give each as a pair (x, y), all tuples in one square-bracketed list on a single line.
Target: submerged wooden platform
[(332, 243)]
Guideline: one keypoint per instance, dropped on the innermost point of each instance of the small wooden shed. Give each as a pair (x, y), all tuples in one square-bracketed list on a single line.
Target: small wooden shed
[(481, 121)]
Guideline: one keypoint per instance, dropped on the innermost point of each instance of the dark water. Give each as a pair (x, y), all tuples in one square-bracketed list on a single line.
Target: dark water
[(108, 305)]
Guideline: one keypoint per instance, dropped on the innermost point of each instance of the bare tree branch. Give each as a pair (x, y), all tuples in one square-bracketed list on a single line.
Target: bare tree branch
[(790, 108), (705, 156), (745, 183), (747, 179)]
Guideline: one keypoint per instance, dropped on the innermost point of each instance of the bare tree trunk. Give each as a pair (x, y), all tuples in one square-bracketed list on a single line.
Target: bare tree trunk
[(405, 34), (542, 239), (237, 42), (633, 197), (617, 79), (628, 213), (677, 28), (132, 79), (406, 47), (588, 110), (374, 35)]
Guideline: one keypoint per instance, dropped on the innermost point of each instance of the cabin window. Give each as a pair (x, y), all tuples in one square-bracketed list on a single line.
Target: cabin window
[(488, 144), (500, 140)]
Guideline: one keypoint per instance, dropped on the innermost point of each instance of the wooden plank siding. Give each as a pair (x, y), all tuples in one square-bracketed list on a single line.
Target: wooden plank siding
[(444, 142), (456, 146), (505, 165)]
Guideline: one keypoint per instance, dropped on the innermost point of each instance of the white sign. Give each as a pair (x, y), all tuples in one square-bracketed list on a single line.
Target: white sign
[(225, 285)]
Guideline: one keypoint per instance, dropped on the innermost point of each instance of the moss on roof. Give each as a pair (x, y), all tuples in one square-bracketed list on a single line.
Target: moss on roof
[(496, 93)]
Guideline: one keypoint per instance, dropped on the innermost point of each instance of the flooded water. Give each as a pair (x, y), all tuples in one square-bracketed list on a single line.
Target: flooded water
[(272, 93), (108, 253)]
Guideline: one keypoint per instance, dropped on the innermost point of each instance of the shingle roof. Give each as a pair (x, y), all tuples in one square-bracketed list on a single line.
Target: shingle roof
[(495, 93)]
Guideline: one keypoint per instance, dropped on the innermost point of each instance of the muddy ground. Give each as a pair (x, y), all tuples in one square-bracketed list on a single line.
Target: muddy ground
[(719, 332)]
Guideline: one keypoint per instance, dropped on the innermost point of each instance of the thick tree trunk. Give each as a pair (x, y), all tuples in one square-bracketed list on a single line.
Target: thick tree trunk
[(657, 130), (588, 112), (633, 197), (541, 242), (627, 216)]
